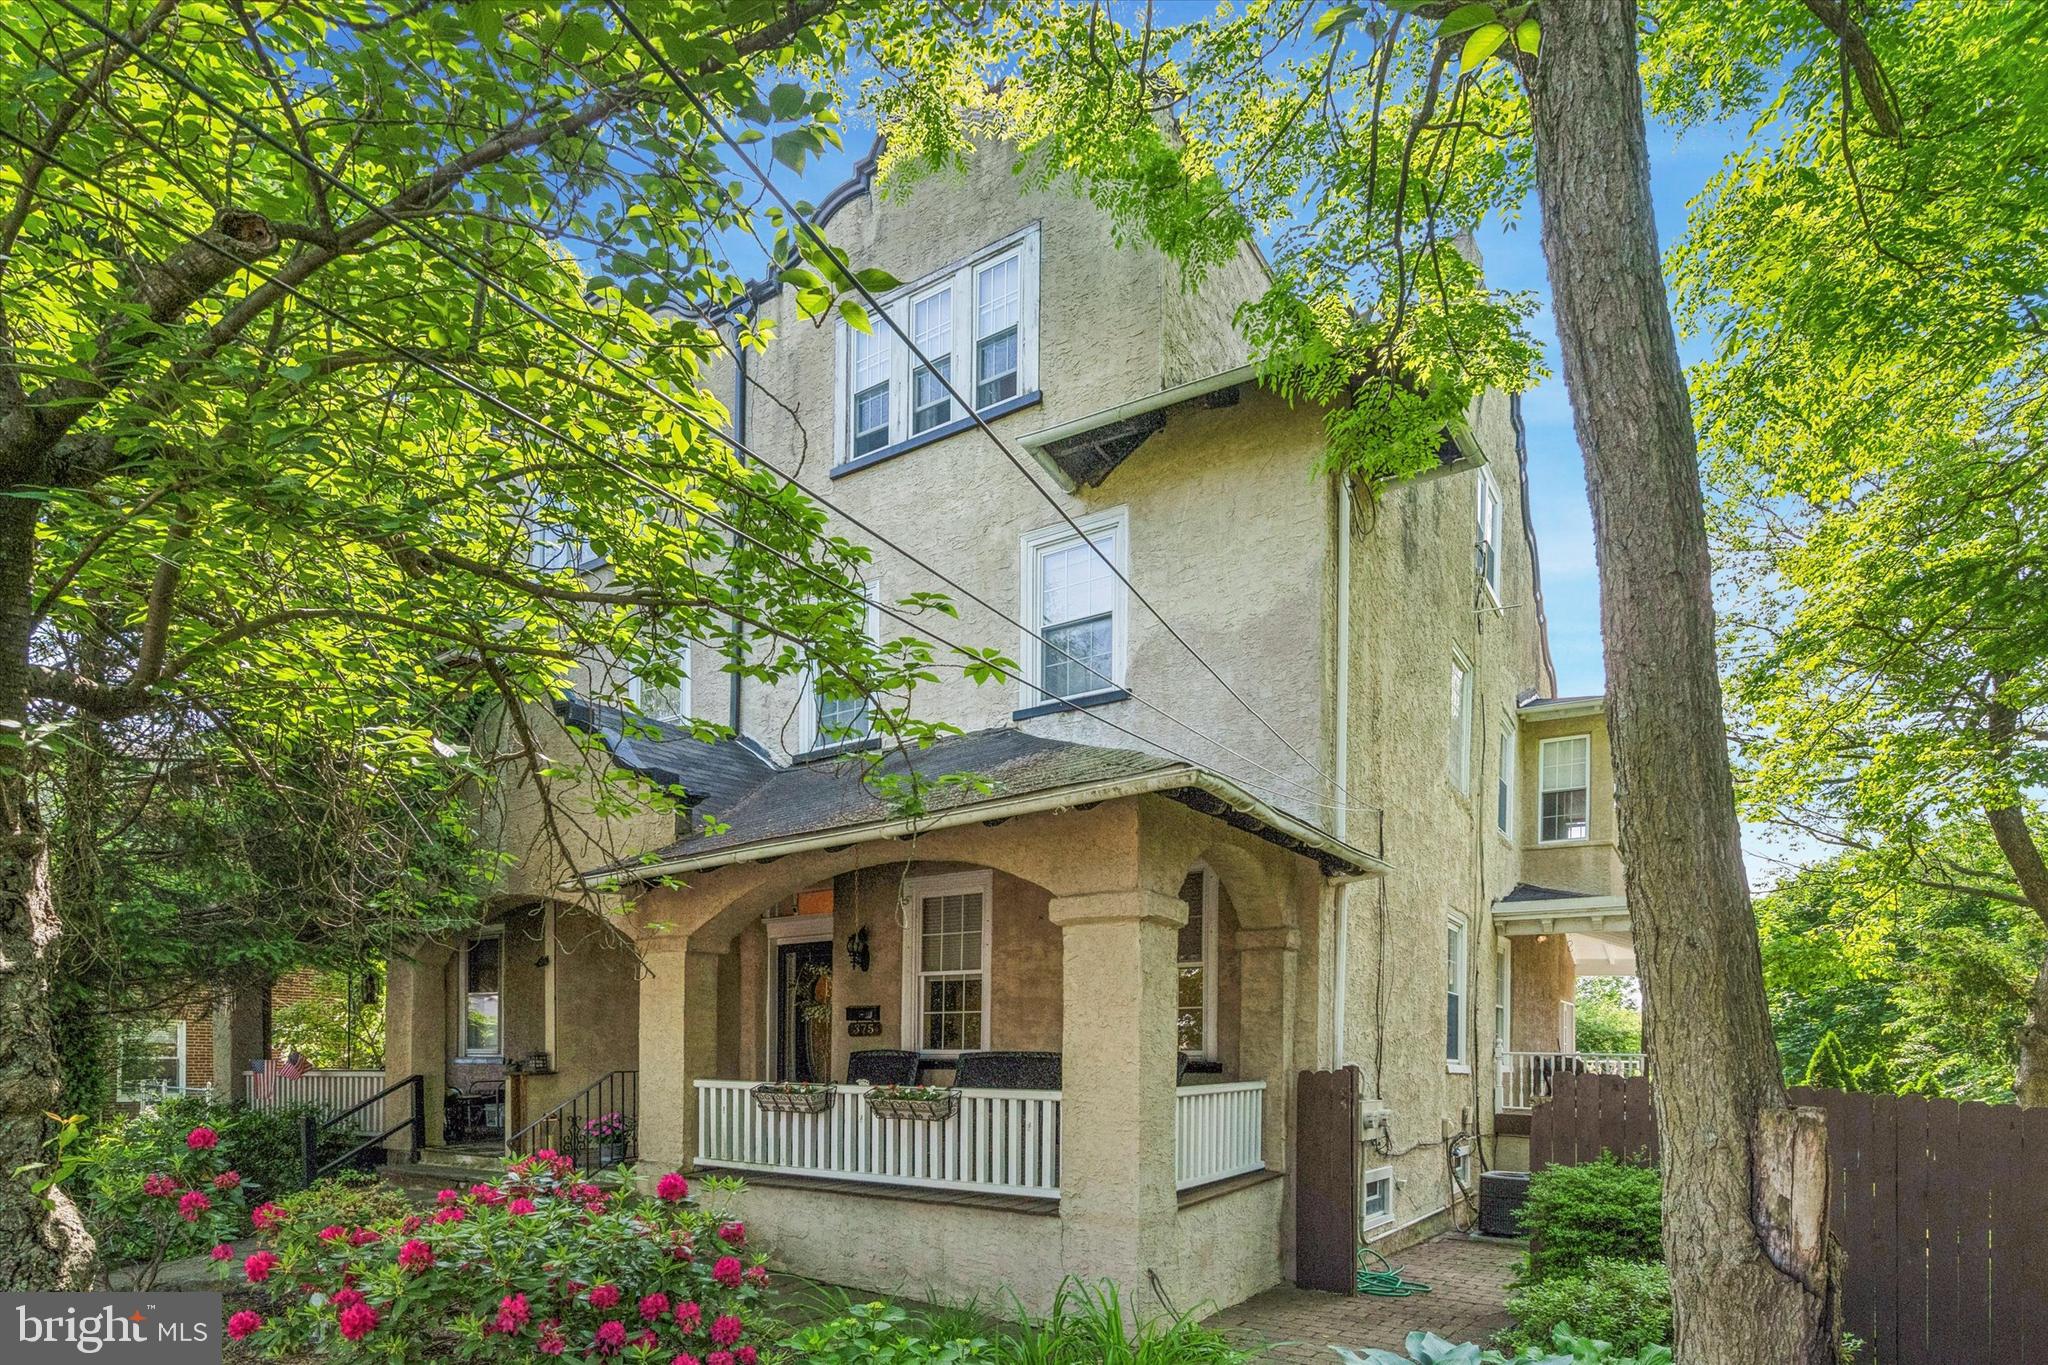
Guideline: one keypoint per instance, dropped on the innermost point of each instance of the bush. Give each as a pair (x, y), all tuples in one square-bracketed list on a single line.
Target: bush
[(877, 1334), (1624, 1303), (352, 1199), (263, 1144), (151, 1196), (1602, 1209), (541, 1263)]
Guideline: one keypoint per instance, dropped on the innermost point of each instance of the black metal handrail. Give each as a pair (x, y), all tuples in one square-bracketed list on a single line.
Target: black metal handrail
[(313, 1126), (567, 1127)]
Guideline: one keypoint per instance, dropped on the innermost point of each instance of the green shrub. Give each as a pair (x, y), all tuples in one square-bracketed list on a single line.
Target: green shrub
[(263, 1144), (353, 1199), (1602, 1209), (1624, 1303), (883, 1335), (1426, 1348), (1087, 1326)]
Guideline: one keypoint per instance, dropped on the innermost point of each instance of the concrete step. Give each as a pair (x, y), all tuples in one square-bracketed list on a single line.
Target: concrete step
[(445, 1168)]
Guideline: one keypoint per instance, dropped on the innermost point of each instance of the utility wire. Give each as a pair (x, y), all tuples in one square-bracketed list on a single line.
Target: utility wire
[(183, 79)]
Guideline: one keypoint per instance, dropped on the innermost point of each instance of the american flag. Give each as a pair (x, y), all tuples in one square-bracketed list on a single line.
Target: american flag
[(294, 1065)]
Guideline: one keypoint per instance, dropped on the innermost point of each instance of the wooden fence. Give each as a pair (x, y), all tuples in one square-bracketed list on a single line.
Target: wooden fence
[(1941, 1209)]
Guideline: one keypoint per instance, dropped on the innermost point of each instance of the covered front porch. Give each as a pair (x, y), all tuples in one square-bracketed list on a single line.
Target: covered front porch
[(1549, 942), (1109, 1000)]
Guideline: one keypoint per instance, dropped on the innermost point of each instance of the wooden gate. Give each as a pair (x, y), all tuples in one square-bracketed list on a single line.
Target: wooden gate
[(1941, 1209), (1326, 1212)]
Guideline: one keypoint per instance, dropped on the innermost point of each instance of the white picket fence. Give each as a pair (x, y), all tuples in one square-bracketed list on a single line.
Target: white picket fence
[(1218, 1131), (332, 1091), (1525, 1076)]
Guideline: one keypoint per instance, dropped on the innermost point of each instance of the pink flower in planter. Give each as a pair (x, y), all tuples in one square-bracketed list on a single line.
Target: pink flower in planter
[(522, 1205), (191, 1204), (757, 1276), (266, 1216), (259, 1265), (452, 1214), (227, 1180), (725, 1330), (672, 1188), (202, 1139), (159, 1186), (332, 1233), (415, 1256), (733, 1234), (513, 1313), (357, 1321), (610, 1336), (243, 1324), (221, 1252), (727, 1271), (604, 1295), (689, 1316), (654, 1305)]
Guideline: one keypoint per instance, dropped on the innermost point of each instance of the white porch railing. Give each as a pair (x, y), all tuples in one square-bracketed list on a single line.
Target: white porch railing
[(332, 1091), (1218, 1131), (999, 1141), (1525, 1076)]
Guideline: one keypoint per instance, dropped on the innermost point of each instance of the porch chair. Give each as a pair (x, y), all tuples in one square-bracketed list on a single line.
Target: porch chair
[(1008, 1071), (881, 1066)]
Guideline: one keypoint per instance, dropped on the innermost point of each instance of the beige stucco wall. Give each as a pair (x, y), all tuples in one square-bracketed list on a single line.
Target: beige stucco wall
[(1591, 866), (1542, 980), (1230, 1247)]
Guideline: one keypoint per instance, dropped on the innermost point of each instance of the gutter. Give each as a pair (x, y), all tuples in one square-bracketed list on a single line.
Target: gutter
[(1161, 780), (1341, 762)]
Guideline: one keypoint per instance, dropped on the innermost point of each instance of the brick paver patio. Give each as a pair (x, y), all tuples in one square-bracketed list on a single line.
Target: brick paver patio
[(1468, 1281)]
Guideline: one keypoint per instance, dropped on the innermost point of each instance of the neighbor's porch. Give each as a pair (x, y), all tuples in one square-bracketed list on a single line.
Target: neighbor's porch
[(1547, 946)]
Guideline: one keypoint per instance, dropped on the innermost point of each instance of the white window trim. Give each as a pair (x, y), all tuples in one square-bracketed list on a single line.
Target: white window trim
[(1369, 1223), (496, 931), (1542, 748), (1458, 762), (124, 1086), (1489, 532), (1210, 897), (1035, 546), (1504, 1004), (916, 890), (1461, 1062), (807, 732), (1504, 780), (960, 275), (780, 930), (636, 688)]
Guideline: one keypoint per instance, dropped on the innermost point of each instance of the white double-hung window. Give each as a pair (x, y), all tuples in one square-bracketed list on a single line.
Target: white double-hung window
[(1075, 612), (1460, 755), (1489, 532), (1457, 1053), (946, 963), (1564, 778), (658, 698), (833, 710), (972, 327)]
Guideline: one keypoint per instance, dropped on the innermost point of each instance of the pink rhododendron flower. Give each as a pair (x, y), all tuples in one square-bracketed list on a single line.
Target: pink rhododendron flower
[(522, 1205), (331, 1233), (346, 1297), (689, 1316), (725, 1330), (415, 1256), (552, 1342), (654, 1305), (202, 1139), (242, 1324), (513, 1313), (259, 1265), (686, 1359), (486, 1194), (221, 1252), (159, 1186), (357, 1321), (733, 1234), (446, 1197), (719, 1358), (727, 1271), (411, 1224), (746, 1355), (611, 1335), (362, 1237), (604, 1295), (757, 1276), (452, 1214), (227, 1180), (646, 1338), (266, 1216), (672, 1188), (191, 1204)]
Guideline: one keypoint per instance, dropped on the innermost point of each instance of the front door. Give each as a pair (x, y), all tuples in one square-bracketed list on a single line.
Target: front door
[(803, 1011)]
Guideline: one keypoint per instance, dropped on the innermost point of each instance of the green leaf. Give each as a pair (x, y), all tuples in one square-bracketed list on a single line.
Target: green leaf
[(1464, 19), (786, 100), (1529, 36), (1336, 17), (877, 279), (1482, 45), (856, 316), (792, 148)]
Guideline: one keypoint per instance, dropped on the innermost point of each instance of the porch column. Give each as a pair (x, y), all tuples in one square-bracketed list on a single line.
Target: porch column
[(1117, 1201), (678, 1045), (241, 1035), (416, 1033), (1265, 1031)]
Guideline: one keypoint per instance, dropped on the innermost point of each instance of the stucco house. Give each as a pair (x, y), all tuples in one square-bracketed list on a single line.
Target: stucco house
[(1384, 843)]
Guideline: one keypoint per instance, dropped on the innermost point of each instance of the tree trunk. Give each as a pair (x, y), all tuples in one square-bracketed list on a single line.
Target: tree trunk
[(2023, 855), (42, 1245), (1745, 1175)]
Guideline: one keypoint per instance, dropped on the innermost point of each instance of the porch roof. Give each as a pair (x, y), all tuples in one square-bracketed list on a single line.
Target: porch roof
[(826, 804), (713, 775)]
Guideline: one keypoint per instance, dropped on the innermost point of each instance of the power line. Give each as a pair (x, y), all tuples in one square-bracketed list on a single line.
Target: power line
[(183, 79), (518, 414), (804, 224)]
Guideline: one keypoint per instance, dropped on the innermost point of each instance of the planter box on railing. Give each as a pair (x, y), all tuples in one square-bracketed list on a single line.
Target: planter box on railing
[(923, 1104), (775, 1098)]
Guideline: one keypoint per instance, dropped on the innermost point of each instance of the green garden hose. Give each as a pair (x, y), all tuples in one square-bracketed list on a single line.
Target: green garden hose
[(1386, 1281)]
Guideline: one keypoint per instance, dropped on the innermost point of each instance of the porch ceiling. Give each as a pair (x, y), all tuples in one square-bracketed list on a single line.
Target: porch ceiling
[(1602, 939), (826, 805)]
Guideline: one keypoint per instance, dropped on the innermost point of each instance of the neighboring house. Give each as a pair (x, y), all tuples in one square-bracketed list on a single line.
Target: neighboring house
[(177, 1055), (1396, 852)]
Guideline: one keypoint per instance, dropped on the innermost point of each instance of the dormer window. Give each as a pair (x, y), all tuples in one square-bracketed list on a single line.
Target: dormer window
[(974, 326)]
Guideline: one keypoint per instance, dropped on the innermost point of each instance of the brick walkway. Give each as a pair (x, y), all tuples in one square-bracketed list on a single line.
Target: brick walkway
[(1468, 1282)]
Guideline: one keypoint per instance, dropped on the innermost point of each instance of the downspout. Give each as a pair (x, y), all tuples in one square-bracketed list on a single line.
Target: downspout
[(739, 436), (1341, 759)]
